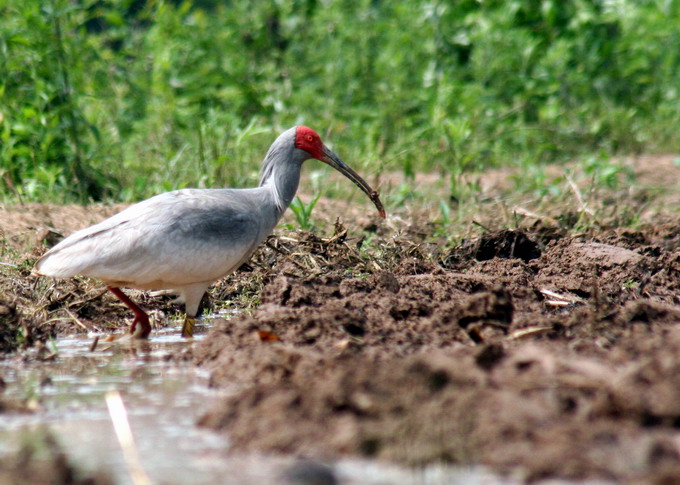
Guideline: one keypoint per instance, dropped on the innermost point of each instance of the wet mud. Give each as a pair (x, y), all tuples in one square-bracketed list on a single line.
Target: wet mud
[(555, 354)]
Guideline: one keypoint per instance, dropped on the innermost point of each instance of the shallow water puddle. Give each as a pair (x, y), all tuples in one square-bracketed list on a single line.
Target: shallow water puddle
[(163, 397)]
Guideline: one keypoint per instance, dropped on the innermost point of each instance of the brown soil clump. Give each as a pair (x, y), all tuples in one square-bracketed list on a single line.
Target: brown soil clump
[(557, 355)]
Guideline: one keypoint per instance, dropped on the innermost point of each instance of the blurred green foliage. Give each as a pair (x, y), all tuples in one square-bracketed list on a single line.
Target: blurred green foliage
[(103, 99)]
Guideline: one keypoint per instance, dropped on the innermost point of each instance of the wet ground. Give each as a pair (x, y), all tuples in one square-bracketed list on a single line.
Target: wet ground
[(66, 398), (61, 419), (548, 349)]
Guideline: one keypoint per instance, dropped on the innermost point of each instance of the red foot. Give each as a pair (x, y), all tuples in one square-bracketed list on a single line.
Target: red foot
[(141, 317), (144, 328)]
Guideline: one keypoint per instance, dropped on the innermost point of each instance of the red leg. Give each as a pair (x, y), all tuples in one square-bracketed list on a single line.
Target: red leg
[(141, 317)]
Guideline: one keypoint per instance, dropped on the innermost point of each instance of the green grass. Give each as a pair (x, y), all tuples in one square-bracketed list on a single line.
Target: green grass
[(103, 100), (303, 212)]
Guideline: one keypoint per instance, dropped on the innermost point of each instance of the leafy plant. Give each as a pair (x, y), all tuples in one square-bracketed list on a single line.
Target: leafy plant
[(445, 218), (303, 212), (122, 100)]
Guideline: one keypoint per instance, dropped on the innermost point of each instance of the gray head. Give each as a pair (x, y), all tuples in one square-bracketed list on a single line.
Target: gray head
[(294, 146), (283, 150)]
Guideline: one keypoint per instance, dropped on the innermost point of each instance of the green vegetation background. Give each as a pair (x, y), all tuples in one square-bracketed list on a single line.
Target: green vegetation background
[(118, 100)]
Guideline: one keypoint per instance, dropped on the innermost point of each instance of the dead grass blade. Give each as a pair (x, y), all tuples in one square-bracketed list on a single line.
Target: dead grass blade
[(579, 198), (558, 299), (529, 331), (121, 425)]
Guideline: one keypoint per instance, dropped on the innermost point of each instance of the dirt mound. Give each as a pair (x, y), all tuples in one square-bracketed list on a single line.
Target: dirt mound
[(558, 355), (529, 409)]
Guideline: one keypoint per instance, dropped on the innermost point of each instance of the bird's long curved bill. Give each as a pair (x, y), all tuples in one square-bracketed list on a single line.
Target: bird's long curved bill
[(334, 161)]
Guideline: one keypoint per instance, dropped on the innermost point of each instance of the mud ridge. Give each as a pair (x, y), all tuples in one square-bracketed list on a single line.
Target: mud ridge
[(556, 355)]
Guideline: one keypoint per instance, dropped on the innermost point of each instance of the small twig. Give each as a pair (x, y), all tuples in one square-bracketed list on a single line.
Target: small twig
[(482, 226), (579, 198), (557, 303), (352, 251), (558, 296), (288, 239), (313, 262), (276, 249), (527, 213), (121, 425), (525, 332), (86, 300), (557, 299), (93, 346), (70, 316), (75, 319)]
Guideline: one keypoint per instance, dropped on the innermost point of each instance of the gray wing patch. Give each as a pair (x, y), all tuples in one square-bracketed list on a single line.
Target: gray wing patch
[(214, 226)]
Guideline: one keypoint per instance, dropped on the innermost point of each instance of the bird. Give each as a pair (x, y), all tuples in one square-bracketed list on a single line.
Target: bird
[(184, 240)]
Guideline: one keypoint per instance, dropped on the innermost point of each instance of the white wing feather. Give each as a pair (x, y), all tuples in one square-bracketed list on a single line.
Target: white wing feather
[(170, 240)]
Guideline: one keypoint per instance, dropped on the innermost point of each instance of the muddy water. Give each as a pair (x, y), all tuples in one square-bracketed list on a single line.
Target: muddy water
[(163, 399)]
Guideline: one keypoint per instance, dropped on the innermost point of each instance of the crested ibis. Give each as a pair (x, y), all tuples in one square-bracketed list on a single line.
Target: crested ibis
[(187, 239)]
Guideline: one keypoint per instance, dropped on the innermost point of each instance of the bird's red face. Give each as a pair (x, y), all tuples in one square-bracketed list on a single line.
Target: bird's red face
[(308, 140)]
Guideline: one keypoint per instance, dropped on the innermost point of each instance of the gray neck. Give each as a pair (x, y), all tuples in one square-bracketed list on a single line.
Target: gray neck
[(281, 170)]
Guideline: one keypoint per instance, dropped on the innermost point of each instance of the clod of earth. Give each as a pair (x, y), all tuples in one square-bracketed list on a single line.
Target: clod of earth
[(183, 241), (468, 364)]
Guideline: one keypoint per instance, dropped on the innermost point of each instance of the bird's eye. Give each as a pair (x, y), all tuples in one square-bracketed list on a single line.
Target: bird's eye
[(310, 138)]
